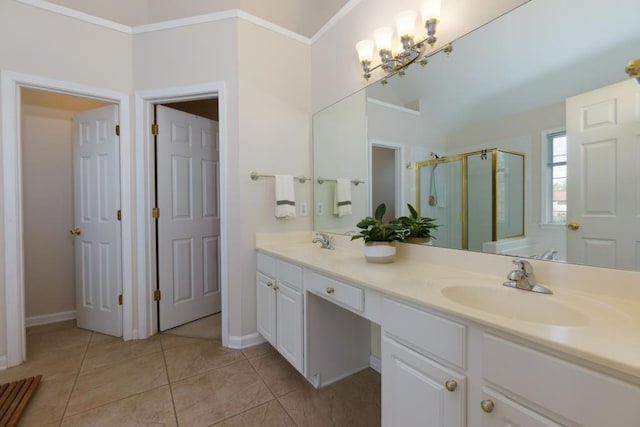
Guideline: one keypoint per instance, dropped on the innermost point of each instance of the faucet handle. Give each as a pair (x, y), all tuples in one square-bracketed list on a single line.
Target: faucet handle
[(524, 266)]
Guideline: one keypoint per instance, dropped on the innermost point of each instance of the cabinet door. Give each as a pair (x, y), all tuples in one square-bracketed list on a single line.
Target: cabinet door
[(507, 413), (414, 391), (266, 307), (289, 323)]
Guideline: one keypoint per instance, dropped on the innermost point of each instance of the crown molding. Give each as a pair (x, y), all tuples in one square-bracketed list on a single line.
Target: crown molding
[(72, 13), (192, 20), (350, 5)]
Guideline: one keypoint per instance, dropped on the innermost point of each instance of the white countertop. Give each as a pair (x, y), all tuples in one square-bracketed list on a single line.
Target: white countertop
[(609, 335)]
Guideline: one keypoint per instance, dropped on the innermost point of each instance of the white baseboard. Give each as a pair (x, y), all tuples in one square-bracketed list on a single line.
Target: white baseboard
[(3, 362), (49, 318), (245, 341), (375, 364)]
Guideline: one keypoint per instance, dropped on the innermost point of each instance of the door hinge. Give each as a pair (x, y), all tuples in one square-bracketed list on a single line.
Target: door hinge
[(154, 129), (119, 215), (155, 213), (117, 130), (157, 295), (120, 299)]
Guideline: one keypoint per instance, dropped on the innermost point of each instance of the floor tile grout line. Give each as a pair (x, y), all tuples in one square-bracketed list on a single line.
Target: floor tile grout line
[(166, 370), (276, 397), (203, 372), (75, 381)]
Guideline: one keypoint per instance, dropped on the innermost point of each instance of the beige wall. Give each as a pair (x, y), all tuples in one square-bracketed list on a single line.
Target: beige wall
[(47, 188), (41, 43)]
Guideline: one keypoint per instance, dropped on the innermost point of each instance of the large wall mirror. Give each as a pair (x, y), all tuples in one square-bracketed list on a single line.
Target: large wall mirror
[(545, 81)]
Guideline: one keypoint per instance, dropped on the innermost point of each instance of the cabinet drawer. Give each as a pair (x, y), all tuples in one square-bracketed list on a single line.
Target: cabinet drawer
[(337, 291), (266, 265), (425, 332), (506, 412), (586, 397), (292, 274)]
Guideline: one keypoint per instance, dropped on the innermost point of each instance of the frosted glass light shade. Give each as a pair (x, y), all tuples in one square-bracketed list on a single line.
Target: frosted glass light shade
[(365, 50), (431, 10), (406, 22), (384, 37)]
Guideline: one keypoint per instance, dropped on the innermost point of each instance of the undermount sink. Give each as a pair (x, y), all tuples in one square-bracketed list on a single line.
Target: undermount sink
[(493, 298)]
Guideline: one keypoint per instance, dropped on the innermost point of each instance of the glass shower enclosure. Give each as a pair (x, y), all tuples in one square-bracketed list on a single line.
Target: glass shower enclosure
[(475, 197)]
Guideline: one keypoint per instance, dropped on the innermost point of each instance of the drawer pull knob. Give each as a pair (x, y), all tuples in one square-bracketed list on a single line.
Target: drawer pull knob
[(269, 284), (330, 290), (276, 287), (451, 385), (487, 405)]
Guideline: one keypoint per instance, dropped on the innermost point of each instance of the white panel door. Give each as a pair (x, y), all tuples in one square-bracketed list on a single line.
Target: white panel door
[(603, 136), (266, 309), (97, 230), (414, 391), (189, 223), (289, 321)]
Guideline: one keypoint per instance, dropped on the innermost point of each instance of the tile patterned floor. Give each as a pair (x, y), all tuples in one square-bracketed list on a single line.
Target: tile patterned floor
[(180, 377)]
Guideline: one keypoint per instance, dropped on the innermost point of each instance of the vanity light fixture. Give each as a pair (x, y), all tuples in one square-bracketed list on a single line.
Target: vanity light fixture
[(633, 69), (410, 52)]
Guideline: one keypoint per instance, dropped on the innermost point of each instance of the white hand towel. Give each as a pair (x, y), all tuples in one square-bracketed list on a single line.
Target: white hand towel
[(342, 197), (285, 197)]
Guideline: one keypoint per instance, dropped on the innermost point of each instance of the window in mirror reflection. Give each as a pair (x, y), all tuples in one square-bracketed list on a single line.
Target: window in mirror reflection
[(555, 203)]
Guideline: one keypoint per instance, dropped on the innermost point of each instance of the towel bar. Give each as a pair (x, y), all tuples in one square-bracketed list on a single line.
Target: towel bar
[(355, 182), (255, 176)]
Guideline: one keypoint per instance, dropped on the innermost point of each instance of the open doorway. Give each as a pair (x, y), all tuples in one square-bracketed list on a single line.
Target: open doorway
[(71, 200), (387, 179), (187, 213), (146, 102), (13, 243)]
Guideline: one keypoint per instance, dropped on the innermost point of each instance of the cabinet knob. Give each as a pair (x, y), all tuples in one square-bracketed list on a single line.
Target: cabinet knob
[(451, 385), (487, 405), (269, 284), (276, 287), (330, 290)]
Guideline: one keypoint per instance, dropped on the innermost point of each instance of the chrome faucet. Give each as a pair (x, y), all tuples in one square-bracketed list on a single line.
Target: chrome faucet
[(523, 278), (325, 240), (550, 254)]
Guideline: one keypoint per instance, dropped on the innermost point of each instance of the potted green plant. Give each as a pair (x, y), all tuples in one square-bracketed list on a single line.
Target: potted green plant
[(416, 229), (379, 236)]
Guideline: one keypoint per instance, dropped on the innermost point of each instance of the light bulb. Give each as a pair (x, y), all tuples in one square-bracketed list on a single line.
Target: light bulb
[(384, 37), (431, 10), (365, 50), (406, 23)]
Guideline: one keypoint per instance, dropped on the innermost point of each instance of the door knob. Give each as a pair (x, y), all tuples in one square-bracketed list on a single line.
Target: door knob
[(573, 226), (75, 231)]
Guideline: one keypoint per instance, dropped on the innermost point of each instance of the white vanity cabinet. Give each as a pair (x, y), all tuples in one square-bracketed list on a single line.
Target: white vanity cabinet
[(280, 307), (418, 390), (564, 392)]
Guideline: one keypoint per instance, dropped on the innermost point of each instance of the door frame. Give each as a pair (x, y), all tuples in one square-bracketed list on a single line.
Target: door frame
[(399, 150), (146, 278), (13, 245)]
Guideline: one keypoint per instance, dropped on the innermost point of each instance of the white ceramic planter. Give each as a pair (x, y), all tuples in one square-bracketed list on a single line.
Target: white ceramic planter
[(379, 252)]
